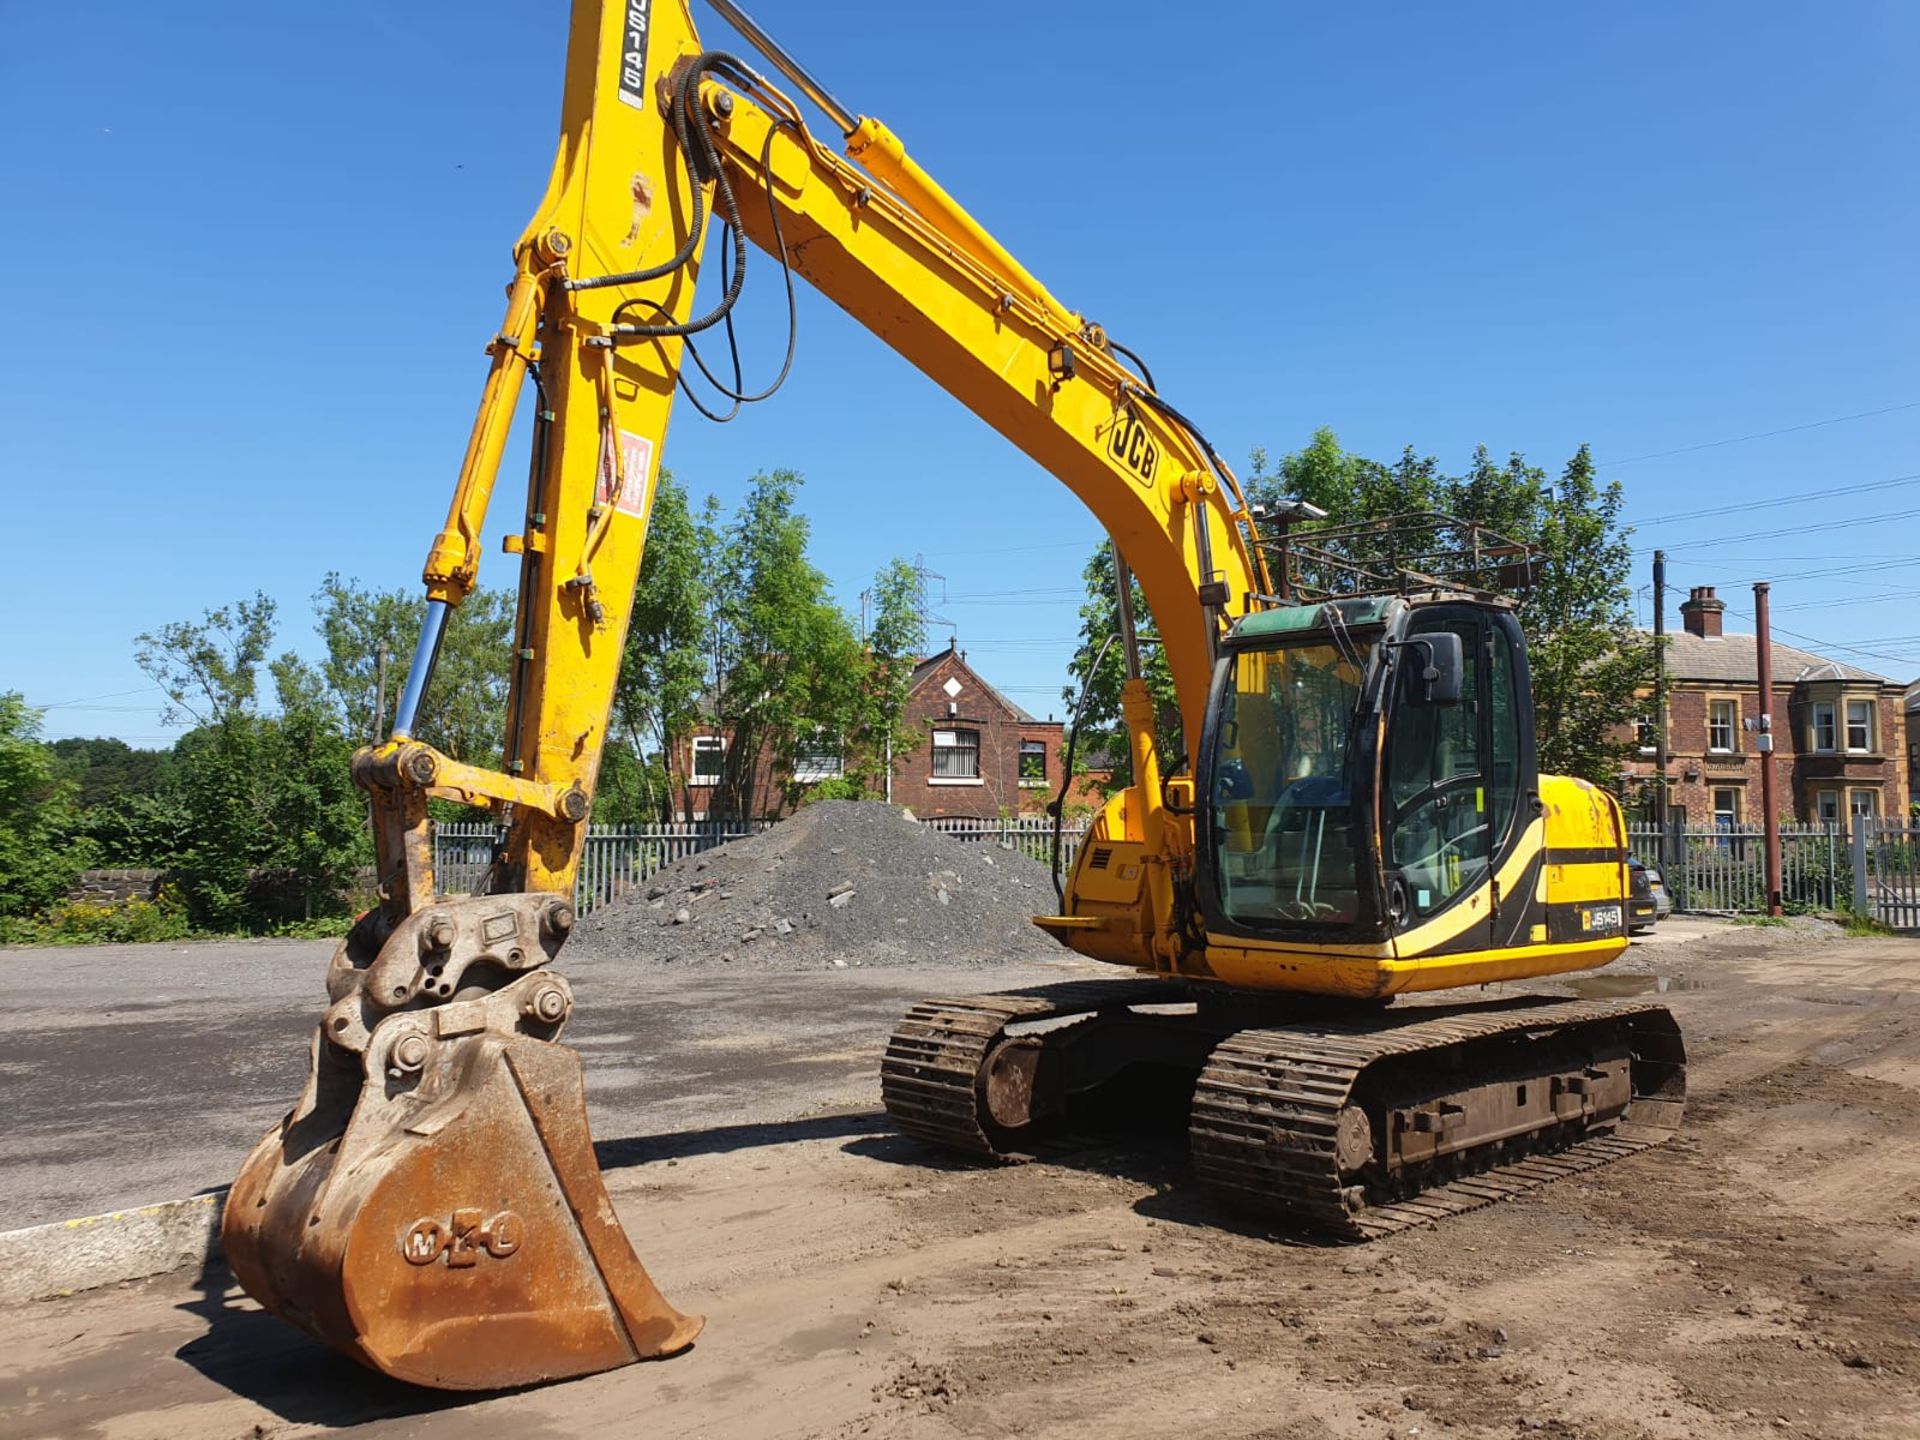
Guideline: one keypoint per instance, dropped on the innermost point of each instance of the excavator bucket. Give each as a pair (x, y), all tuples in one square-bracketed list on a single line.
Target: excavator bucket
[(432, 1206)]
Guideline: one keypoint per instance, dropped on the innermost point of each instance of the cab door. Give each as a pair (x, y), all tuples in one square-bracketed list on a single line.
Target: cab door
[(1448, 792)]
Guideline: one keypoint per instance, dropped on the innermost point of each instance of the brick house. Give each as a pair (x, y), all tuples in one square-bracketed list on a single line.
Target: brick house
[(979, 754), (1840, 732), (983, 755)]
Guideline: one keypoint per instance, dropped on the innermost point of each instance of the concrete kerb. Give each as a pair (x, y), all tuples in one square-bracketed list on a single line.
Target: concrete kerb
[(45, 1261)]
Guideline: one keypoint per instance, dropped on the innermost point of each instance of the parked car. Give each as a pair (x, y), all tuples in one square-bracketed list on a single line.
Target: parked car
[(1647, 897)]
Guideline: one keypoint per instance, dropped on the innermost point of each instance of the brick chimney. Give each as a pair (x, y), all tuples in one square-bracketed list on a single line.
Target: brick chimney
[(1700, 613)]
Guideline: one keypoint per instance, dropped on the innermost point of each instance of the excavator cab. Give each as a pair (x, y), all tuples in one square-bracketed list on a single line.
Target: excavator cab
[(1364, 765)]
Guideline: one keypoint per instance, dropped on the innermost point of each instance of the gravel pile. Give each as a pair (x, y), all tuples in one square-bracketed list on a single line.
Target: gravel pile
[(841, 883)]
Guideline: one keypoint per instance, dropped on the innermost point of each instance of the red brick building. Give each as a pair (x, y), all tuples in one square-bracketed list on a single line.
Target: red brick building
[(1840, 744), (982, 755), (979, 754)]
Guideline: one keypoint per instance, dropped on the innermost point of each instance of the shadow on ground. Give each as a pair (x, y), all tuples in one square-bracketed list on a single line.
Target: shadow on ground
[(1135, 1134), (282, 1369), (249, 1352)]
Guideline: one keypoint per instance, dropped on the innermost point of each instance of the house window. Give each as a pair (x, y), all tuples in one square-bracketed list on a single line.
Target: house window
[(1726, 808), (1863, 804), (1826, 807), (1722, 721), (709, 757), (956, 755), (1860, 726), (1033, 762), (1825, 735), (818, 758), (1645, 736)]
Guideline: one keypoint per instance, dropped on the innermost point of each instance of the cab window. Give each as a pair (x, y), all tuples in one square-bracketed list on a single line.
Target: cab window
[(1438, 827)]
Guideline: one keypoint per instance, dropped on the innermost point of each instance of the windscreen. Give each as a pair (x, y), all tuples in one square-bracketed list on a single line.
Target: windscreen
[(1285, 832)]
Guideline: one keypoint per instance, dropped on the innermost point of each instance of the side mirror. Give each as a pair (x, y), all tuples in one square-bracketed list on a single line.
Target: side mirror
[(1442, 663)]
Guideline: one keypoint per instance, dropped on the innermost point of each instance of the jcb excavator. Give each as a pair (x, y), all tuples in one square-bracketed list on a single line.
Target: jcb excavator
[(1361, 816)]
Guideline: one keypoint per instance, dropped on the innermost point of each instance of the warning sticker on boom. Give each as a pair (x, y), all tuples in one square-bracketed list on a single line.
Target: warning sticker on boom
[(635, 490), (633, 54)]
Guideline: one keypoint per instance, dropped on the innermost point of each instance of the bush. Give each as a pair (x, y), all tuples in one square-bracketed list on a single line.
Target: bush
[(839, 787), (129, 922)]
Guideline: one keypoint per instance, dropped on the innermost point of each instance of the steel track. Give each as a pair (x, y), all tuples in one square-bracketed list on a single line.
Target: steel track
[(1267, 1105)]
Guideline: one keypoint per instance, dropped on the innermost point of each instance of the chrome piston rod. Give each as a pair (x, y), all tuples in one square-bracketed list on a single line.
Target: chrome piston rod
[(777, 57)]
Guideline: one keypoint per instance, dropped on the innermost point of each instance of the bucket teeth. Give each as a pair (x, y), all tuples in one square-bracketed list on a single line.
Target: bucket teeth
[(443, 1220)]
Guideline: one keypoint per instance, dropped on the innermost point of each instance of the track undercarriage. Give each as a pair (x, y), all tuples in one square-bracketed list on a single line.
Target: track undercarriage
[(1354, 1121)]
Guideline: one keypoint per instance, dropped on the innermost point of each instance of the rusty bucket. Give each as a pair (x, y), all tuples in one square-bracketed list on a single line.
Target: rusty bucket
[(432, 1206)]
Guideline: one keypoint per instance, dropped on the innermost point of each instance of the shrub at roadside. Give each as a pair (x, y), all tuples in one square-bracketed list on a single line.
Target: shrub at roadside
[(76, 922)]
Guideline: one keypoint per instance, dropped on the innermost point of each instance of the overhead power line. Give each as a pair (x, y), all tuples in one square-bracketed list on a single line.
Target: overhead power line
[(1822, 644), (1798, 497), (1788, 530), (1087, 545), (1762, 434)]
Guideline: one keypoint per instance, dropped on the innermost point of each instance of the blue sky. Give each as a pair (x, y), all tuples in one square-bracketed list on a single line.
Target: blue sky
[(254, 252)]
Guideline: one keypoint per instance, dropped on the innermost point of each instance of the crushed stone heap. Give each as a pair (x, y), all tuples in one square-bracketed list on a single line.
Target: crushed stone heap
[(840, 883)]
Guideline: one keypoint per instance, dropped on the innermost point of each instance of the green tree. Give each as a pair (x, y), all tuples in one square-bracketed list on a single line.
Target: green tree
[(102, 768), (877, 732), (39, 852), (267, 823), (1589, 664), (465, 712), (317, 814), (785, 661), (663, 669), (209, 669), (1103, 731)]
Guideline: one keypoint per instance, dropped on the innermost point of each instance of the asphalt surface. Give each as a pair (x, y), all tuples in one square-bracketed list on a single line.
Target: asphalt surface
[(132, 1074)]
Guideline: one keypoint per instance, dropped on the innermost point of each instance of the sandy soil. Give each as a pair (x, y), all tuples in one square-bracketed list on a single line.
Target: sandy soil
[(1757, 1276)]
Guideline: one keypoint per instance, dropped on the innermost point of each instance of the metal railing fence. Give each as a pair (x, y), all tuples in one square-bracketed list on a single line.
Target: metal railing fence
[(1715, 871), (1875, 869), (1886, 872), (616, 858), (1031, 835)]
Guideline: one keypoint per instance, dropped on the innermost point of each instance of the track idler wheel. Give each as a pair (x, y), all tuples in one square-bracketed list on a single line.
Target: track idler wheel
[(432, 1207)]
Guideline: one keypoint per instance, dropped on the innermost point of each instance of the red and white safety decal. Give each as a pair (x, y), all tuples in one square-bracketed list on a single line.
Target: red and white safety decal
[(636, 475)]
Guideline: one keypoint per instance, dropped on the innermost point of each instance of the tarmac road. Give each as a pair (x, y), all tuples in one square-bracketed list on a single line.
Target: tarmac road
[(131, 1074)]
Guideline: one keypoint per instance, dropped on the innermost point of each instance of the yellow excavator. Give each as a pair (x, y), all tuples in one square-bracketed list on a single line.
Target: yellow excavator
[(1355, 812)]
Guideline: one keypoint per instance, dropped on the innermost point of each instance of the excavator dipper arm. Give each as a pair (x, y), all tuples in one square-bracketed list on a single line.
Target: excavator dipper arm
[(431, 1206)]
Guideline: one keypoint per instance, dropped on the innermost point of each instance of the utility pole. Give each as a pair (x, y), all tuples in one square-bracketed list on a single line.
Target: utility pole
[(379, 689), (1660, 703), (1763, 742)]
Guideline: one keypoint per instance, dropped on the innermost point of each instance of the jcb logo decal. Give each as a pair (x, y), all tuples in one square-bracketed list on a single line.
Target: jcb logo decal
[(462, 1241), (1133, 447)]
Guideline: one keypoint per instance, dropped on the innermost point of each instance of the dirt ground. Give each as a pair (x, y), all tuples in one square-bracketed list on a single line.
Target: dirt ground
[(1756, 1276)]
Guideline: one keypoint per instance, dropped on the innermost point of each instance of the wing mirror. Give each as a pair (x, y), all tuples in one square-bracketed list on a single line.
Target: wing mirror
[(1442, 666)]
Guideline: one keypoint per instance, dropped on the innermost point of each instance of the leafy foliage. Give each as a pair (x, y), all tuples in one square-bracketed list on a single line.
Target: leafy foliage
[(1103, 741), (465, 716), (266, 824), (1589, 663), (209, 669), (39, 853), (663, 669), (128, 922), (784, 657), (877, 732), (254, 810)]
